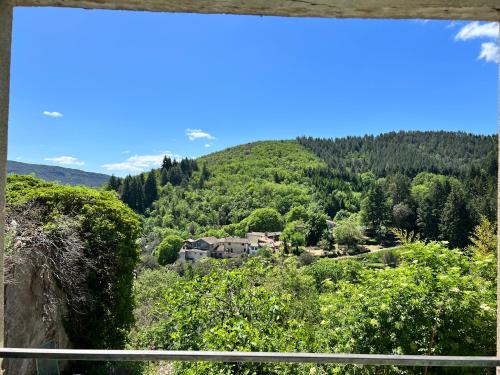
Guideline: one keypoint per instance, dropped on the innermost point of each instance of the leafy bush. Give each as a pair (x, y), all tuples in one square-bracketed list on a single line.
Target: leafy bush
[(264, 220), (243, 309), (168, 250), (109, 230), (434, 301), (333, 271), (347, 233)]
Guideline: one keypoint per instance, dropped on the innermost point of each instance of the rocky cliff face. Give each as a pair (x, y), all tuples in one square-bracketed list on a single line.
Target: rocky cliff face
[(41, 265), (34, 316)]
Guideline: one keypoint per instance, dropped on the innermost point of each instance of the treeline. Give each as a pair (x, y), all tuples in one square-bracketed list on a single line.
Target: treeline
[(436, 184), (435, 206), (140, 191), (409, 153)]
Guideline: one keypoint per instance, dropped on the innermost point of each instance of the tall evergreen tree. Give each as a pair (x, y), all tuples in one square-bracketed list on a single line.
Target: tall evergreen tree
[(204, 172), (150, 189), (398, 187), (137, 192), (194, 164), (167, 163), (204, 175), (175, 174), (126, 191), (114, 183), (430, 208), (163, 176), (456, 223), (186, 167), (375, 209)]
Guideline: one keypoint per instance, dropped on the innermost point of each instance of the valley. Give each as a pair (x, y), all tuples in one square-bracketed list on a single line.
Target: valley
[(376, 244), (340, 196)]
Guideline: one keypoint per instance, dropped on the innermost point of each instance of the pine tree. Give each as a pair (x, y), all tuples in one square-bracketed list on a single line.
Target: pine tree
[(194, 165), (167, 163), (137, 193), (186, 167), (204, 175), (375, 210), (204, 172), (126, 192), (175, 174), (163, 177), (398, 186), (430, 209), (150, 189), (456, 224), (114, 183)]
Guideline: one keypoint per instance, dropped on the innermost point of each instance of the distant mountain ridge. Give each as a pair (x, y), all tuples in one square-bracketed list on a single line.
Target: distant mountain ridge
[(65, 176)]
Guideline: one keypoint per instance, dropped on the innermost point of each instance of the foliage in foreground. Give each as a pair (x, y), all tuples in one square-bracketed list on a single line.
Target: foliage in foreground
[(437, 301), (108, 231)]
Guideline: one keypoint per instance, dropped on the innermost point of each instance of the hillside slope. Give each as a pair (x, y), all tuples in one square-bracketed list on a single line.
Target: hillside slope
[(404, 179), (449, 153), (64, 176), (241, 179), (278, 161)]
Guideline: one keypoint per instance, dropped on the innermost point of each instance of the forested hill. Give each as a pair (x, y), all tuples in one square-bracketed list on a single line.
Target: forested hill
[(448, 153), (393, 180), (277, 161), (224, 188), (65, 176)]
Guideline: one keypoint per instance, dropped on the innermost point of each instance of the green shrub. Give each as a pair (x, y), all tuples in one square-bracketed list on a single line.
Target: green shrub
[(264, 220), (168, 250), (109, 230)]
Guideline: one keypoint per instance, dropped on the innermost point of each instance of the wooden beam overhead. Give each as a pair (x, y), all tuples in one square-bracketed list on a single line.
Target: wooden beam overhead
[(487, 10)]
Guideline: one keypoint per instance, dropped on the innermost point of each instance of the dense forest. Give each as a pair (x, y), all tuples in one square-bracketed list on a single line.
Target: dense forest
[(435, 184), (387, 244), (409, 153)]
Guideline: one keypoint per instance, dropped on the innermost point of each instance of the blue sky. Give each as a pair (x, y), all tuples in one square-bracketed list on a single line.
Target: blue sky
[(114, 91)]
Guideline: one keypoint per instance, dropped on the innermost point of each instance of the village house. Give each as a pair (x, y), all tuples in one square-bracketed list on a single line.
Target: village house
[(264, 239), (196, 249), (191, 254), (231, 247), (228, 247)]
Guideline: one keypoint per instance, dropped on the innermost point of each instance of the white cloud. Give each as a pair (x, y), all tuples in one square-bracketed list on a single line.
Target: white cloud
[(198, 134), (475, 30), (126, 152), (208, 145), (139, 163), (53, 114), (65, 160), (489, 52)]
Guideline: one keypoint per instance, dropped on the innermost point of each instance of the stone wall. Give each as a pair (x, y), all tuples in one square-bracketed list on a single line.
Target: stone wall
[(34, 315)]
